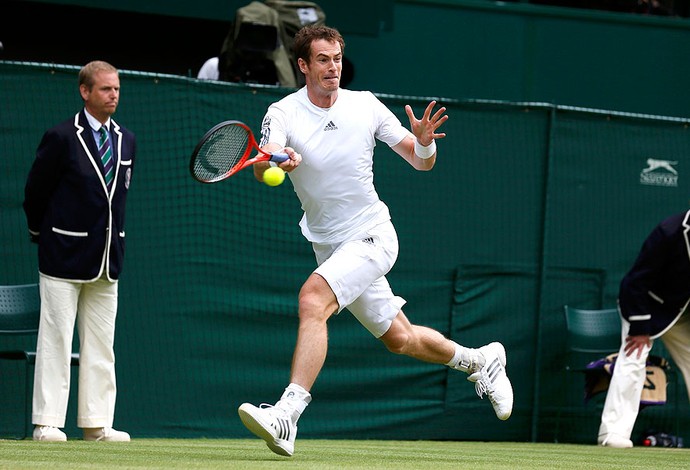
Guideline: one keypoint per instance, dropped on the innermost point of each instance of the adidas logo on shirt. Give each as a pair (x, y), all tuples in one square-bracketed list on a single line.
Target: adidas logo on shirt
[(330, 127)]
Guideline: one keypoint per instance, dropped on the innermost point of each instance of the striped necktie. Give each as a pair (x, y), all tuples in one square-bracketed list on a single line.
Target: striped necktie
[(106, 154)]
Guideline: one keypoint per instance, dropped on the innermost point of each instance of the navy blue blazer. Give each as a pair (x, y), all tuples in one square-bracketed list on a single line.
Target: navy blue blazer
[(656, 290), (78, 224)]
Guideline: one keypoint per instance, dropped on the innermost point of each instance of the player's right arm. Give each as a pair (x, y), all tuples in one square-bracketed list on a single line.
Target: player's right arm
[(288, 165)]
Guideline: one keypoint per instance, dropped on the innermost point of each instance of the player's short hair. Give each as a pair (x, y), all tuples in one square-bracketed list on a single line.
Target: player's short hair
[(88, 71), (308, 34)]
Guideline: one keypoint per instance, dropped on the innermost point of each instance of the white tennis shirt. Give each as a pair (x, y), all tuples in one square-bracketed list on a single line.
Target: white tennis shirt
[(335, 181)]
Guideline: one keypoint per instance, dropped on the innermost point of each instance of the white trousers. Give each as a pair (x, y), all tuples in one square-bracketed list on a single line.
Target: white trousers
[(93, 305), (625, 390)]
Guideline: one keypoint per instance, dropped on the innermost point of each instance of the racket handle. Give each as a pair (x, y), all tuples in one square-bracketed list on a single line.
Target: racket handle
[(278, 157)]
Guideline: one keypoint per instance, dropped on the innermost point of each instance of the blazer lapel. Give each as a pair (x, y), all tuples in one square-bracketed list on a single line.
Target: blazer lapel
[(88, 143), (117, 148)]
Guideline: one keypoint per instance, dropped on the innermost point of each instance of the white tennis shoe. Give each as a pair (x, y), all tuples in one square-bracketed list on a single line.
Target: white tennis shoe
[(49, 434), (271, 423), (493, 381), (105, 435)]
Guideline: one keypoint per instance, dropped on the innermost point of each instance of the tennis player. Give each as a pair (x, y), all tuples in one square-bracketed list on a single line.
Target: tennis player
[(329, 134)]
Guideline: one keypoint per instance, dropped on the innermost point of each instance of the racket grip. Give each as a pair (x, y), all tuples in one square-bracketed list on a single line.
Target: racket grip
[(278, 157)]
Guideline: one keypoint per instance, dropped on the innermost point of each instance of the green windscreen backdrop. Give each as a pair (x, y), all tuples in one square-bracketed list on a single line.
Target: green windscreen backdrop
[(530, 207)]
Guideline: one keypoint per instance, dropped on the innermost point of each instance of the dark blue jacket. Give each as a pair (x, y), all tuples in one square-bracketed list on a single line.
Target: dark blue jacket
[(78, 224), (656, 290)]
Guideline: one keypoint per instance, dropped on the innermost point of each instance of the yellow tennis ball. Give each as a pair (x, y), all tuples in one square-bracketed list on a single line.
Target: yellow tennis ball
[(274, 176)]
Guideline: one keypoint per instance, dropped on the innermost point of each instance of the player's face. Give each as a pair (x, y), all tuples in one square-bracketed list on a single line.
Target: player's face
[(102, 99), (325, 66)]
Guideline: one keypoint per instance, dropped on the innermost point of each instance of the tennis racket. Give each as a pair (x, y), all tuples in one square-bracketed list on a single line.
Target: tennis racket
[(224, 150)]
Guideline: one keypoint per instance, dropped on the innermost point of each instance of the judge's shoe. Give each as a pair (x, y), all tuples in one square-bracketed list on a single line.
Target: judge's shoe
[(493, 381), (105, 435), (273, 424), (614, 440), (49, 434)]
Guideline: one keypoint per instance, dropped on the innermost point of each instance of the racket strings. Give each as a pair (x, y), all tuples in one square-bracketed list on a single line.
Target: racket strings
[(222, 151)]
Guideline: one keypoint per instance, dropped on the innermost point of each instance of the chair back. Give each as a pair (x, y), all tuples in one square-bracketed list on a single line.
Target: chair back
[(593, 331), (20, 309)]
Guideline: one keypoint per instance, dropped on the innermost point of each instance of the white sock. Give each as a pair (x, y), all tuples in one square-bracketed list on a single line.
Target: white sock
[(466, 359), (297, 399)]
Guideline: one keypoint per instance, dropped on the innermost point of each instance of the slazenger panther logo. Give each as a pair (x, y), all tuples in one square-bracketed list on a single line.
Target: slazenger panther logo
[(665, 164), (659, 173)]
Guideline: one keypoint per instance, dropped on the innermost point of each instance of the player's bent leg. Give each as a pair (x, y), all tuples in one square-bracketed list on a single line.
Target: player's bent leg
[(420, 342), (486, 364), (491, 379)]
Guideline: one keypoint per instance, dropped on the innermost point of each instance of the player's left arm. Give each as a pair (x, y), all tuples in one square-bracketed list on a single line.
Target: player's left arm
[(419, 149)]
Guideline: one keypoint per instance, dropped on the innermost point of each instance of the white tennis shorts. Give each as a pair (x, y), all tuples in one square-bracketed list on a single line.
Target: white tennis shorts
[(355, 270)]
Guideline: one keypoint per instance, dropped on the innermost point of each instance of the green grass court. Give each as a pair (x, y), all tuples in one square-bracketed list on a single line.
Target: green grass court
[(331, 454)]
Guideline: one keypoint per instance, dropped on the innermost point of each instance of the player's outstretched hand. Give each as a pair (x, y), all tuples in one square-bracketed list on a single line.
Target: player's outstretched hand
[(425, 128)]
